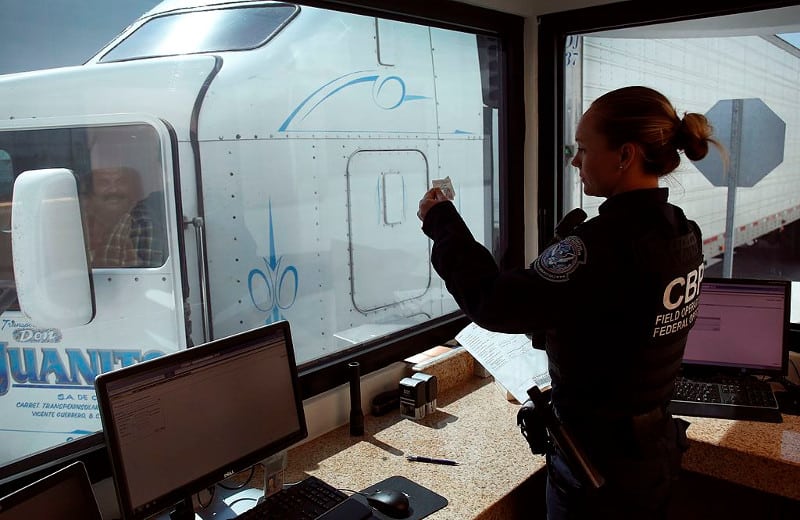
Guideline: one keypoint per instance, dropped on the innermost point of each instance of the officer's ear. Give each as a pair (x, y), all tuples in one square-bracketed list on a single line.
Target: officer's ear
[(627, 155)]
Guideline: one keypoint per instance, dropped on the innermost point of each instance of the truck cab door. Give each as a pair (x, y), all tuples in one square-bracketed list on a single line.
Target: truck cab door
[(384, 230), (125, 184)]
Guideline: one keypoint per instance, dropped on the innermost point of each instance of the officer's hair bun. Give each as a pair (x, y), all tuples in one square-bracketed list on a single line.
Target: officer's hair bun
[(694, 134)]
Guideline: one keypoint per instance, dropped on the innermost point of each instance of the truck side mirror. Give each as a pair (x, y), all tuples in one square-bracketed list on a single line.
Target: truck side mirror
[(51, 267)]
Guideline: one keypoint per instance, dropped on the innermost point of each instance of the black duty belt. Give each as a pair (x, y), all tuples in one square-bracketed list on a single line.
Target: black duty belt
[(631, 431)]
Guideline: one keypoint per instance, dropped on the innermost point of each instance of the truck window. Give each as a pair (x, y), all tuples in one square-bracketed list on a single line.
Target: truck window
[(202, 31), (119, 178)]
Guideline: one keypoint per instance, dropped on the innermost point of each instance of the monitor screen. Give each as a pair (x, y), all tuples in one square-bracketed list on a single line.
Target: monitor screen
[(65, 494), (180, 423), (741, 325)]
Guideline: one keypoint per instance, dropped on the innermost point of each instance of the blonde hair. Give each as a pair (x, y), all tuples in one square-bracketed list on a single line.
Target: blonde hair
[(644, 116)]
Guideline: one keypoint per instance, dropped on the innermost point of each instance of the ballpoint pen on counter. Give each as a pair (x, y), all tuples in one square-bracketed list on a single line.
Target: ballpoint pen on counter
[(430, 460)]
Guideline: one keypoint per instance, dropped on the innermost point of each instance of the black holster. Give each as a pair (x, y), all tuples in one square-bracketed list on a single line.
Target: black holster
[(533, 428), (540, 426)]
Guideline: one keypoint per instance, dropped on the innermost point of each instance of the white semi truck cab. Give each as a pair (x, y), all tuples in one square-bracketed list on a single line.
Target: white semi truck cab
[(217, 167)]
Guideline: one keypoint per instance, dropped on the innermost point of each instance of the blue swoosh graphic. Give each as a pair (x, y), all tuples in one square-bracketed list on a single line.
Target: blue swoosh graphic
[(364, 79), (296, 110)]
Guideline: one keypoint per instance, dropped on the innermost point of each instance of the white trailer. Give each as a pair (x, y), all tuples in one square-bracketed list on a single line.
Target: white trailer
[(695, 73), (277, 177)]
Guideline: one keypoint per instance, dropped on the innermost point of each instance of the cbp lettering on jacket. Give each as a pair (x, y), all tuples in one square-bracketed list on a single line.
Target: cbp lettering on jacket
[(672, 322), (690, 284), (668, 317), (672, 328)]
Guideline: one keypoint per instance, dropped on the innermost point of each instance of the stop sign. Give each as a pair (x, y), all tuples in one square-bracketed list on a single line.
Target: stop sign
[(753, 136)]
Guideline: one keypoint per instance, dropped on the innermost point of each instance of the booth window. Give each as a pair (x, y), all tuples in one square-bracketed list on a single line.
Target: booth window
[(737, 66), (309, 216)]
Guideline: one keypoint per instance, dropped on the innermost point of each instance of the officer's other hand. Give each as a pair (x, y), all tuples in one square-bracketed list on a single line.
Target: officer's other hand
[(431, 198)]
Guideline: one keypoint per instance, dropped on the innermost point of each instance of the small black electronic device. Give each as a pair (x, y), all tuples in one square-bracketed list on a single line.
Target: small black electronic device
[(413, 402), (390, 502)]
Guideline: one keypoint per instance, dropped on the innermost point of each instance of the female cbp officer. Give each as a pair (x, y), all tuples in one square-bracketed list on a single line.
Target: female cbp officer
[(615, 299)]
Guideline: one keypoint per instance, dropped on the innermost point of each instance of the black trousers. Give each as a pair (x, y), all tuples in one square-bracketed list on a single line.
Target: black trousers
[(638, 479)]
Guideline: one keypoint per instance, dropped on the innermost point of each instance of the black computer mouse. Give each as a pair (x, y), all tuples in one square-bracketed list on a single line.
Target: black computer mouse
[(390, 502)]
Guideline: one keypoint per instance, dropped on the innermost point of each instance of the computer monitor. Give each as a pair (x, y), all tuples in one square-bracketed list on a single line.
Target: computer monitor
[(742, 326), (65, 494), (176, 425)]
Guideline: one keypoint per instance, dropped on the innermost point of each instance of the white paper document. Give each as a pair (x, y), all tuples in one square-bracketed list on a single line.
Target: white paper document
[(510, 358)]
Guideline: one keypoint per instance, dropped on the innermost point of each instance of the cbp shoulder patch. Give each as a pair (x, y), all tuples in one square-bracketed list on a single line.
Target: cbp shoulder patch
[(558, 261)]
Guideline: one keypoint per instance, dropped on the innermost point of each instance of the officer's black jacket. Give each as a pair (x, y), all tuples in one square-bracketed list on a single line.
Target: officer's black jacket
[(616, 299)]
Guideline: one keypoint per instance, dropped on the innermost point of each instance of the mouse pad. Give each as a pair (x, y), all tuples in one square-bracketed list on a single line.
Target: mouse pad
[(422, 501)]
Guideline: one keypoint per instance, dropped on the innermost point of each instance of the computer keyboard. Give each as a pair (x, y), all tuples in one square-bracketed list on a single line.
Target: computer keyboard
[(744, 398), (308, 499)]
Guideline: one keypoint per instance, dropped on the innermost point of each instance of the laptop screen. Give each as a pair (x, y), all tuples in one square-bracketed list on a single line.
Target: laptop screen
[(741, 325)]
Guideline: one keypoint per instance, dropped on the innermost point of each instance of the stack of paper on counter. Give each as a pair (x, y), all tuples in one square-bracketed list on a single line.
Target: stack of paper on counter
[(510, 358)]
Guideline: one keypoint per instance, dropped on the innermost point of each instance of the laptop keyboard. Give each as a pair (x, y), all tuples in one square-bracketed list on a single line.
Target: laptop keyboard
[(743, 398), (306, 500)]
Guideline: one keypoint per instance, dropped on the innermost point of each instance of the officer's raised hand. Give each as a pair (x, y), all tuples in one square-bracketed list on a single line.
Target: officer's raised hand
[(431, 198)]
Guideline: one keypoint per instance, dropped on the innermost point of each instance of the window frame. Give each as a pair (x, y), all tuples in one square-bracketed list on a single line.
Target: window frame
[(553, 31), (326, 373)]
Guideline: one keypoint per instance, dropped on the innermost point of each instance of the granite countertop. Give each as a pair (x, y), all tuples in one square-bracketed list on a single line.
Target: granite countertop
[(476, 425), (473, 425), (761, 455)]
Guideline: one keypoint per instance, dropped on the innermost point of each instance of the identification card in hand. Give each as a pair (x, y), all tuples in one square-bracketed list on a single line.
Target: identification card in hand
[(446, 186)]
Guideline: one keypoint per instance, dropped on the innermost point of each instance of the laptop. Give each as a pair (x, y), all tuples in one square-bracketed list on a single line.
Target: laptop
[(65, 494), (740, 336)]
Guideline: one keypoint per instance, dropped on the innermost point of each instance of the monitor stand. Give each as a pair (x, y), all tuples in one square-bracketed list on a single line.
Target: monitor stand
[(225, 504)]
